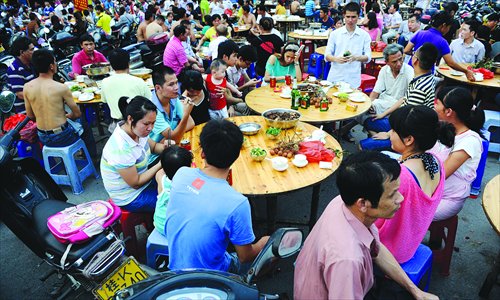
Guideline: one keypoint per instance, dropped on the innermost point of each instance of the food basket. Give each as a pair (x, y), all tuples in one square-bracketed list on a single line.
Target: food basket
[(281, 117)]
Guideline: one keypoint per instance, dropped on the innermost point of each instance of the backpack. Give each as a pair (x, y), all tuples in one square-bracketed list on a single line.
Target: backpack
[(77, 224)]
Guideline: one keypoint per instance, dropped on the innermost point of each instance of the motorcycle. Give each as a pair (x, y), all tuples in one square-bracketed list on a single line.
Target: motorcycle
[(28, 196), (5, 61), (192, 283)]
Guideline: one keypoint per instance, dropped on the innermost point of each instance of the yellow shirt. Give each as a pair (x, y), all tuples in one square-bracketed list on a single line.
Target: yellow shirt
[(104, 22), (280, 10)]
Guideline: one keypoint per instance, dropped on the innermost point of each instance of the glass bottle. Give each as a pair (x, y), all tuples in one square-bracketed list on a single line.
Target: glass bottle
[(295, 95)]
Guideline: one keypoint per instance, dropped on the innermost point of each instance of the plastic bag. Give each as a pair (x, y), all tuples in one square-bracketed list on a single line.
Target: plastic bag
[(487, 74), (28, 133), (315, 151)]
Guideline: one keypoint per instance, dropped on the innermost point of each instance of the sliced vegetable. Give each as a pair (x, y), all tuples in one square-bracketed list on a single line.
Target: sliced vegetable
[(75, 88), (257, 152), (273, 131)]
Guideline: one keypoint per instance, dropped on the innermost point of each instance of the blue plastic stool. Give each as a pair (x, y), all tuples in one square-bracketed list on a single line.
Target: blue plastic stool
[(157, 245), (315, 66), (25, 149), (419, 265), (74, 176), (475, 188), (326, 69)]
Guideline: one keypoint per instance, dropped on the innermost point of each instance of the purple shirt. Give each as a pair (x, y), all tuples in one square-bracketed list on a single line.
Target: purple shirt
[(335, 262), (81, 59), (434, 37), (174, 55)]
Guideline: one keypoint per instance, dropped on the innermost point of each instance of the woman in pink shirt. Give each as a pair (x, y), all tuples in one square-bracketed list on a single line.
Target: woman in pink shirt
[(372, 27), (415, 129), (455, 106)]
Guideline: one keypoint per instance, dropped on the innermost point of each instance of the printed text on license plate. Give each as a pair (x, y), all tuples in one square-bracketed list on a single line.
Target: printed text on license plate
[(127, 274)]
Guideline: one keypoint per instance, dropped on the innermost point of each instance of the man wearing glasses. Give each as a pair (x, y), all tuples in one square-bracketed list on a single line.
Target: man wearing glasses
[(20, 71)]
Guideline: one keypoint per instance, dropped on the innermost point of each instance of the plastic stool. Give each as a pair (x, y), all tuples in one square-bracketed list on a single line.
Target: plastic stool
[(442, 256), (418, 265), (475, 188), (315, 66), (367, 82), (157, 245), (492, 119), (326, 69), (128, 221), (73, 177)]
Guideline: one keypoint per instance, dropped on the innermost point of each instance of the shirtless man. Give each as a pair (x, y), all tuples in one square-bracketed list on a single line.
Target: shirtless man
[(141, 30), (45, 99), (155, 27), (247, 18)]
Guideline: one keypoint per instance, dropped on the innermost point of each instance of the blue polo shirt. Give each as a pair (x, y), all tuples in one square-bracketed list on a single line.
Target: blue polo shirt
[(434, 37), (164, 120), (18, 74)]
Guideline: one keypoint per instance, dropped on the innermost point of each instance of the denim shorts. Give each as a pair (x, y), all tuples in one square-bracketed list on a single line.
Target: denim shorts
[(61, 139)]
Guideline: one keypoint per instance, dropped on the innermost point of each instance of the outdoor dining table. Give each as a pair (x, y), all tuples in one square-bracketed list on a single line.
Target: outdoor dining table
[(287, 23), (375, 54), (491, 207), (311, 37), (259, 179), (449, 73), (265, 98)]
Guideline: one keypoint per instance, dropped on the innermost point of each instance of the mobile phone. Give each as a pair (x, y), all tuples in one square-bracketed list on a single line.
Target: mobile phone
[(300, 50)]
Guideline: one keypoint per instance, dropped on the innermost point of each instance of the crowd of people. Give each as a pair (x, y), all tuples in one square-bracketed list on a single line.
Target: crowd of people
[(385, 206)]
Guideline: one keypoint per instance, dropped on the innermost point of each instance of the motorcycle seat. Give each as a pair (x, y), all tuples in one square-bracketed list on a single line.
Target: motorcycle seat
[(41, 213)]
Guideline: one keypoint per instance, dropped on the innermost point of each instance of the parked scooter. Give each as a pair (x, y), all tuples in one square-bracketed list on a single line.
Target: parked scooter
[(28, 196), (192, 283)]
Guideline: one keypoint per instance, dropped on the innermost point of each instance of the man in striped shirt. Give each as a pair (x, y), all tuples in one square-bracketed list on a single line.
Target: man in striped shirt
[(20, 71), (420, 91)]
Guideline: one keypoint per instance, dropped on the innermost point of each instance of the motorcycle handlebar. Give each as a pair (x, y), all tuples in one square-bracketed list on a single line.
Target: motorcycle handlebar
[(12, 135)]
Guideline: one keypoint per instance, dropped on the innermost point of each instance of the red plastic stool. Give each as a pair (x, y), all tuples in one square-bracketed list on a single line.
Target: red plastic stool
[(367, 82), (442, 255), (129, 221), (308, 50)]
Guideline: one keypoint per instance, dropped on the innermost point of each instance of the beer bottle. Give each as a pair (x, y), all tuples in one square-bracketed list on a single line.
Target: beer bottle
[(323, 104), (295, 95)]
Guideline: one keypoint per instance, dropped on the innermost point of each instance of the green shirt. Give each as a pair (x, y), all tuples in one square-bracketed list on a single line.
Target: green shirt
[(278, 70), (160, 215)]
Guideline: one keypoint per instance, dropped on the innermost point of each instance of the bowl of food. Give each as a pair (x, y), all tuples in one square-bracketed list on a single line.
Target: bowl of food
[(143, 73), (258, 154), (343, 97), (97, 69), (282, 118), (273, 132), (249, 128)]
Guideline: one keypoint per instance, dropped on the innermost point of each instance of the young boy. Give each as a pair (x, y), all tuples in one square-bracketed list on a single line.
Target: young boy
[(172, 159), (216, 84)]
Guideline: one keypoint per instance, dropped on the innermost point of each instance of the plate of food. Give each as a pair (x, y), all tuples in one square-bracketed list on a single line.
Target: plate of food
[(286, 95), (325, 83), (336, 94), (86, 97)]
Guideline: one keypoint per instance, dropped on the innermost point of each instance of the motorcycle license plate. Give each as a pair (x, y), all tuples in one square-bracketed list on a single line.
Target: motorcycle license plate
[(127, 274)]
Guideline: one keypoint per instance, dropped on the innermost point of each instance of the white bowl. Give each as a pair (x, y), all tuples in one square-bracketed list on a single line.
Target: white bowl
[(76, 94), (279, 163), (311, 79), (299, 163)]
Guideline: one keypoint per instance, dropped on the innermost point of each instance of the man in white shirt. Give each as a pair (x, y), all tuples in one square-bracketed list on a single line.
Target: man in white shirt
[(392, 81), (348, 47), (261, 13), (59, 8), (394, 22), (466, 49), (408, 29), (221, 31), (216, 7)]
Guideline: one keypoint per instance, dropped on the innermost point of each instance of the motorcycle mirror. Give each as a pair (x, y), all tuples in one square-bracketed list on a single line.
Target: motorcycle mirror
[(46, 30), (281, 244), (7, 99), (290, 243)]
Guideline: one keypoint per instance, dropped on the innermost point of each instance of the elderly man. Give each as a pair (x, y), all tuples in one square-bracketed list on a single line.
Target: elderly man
[(88, 55), (173, 117), (337, 259), (466, 49), (348, 47), (392, 80), (20, 71)]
